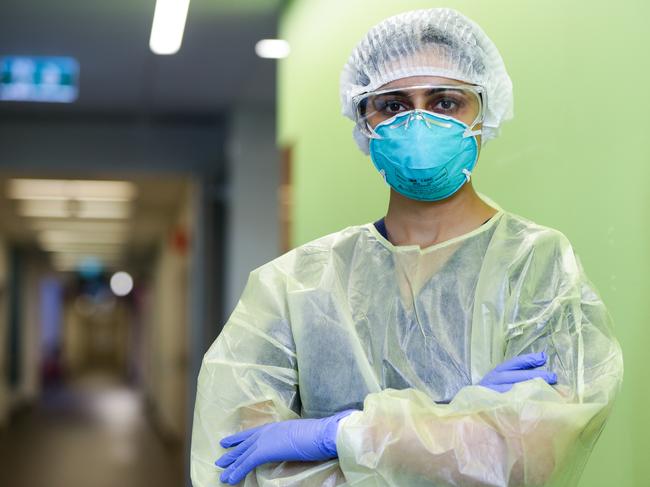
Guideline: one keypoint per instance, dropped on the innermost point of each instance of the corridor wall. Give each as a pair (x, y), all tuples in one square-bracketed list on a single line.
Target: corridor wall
[(4, 390), (167, 329)]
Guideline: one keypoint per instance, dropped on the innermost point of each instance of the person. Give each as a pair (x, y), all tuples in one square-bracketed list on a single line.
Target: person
[(450, 343)]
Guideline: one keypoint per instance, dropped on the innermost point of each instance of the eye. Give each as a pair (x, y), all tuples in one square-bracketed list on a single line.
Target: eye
[(393, 107), (389, 106), (445, 105)]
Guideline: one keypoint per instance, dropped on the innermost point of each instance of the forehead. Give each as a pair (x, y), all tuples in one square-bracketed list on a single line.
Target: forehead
[(420, 80)]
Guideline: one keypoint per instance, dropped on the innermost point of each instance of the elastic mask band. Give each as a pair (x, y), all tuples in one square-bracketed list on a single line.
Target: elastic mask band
[(471, 133)]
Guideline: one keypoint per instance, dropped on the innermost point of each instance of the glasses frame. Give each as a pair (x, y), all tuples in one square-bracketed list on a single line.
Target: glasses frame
[(479, 91)]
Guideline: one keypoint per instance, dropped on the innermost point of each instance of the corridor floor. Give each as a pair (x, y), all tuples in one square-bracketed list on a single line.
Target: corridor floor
[(93, 434)]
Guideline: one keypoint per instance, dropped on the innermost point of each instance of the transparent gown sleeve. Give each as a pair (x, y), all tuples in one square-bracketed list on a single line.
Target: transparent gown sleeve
[(533, 435), (249, 377)]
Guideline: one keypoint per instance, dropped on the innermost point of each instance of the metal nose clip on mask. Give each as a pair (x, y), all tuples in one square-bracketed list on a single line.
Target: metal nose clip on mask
[(423, 155)]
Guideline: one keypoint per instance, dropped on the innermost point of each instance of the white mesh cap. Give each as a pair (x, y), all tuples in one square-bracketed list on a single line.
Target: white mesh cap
[(432, 42)]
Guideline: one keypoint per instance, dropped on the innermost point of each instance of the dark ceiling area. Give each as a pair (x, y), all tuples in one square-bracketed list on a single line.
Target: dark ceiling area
[(215, 68), (151, 120)]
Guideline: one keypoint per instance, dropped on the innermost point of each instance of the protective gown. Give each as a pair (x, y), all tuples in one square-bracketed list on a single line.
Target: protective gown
[(402, 334)]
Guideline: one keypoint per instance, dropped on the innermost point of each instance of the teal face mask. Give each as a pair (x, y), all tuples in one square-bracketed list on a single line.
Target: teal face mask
[(424, 155)]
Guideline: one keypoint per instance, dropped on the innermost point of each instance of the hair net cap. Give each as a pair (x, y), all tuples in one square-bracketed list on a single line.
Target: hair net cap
[(432, 42)]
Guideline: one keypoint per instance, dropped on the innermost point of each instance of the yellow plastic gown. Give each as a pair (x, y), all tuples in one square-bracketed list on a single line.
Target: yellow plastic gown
[(351, 321)]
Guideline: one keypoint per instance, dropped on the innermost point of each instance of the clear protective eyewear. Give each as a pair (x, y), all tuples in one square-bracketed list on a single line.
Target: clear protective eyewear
[(465, 103)]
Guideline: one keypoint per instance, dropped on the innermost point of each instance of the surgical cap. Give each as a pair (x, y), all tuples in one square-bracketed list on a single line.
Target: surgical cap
[(434, 42)]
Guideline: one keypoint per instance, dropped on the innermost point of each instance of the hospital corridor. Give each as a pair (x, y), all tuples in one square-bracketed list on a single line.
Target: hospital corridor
[(95, 314), (131, 212)]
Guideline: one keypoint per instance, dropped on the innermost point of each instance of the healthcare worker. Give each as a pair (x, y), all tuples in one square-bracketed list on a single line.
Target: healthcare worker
[(451, 343)]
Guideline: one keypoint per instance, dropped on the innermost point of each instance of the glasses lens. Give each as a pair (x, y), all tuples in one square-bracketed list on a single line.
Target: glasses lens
[(461, 103)]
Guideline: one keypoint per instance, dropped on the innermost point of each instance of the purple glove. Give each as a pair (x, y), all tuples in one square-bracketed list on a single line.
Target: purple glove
[(517, 369), (306, 440)]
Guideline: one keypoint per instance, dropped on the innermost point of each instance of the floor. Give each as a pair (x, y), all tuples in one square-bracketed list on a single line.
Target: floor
[(92, 434)]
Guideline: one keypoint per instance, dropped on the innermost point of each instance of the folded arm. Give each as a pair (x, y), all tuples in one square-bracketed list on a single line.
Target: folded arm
[(249, 378), (534, 434)]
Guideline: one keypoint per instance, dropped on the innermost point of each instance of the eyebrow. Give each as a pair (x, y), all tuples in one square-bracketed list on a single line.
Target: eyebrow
[(429, 92), (398, 92)]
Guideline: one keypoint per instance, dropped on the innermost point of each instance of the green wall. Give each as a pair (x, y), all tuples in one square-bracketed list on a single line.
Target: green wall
[(574, 157)]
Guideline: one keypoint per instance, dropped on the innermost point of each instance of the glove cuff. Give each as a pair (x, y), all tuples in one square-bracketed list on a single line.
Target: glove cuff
[(328, 445)]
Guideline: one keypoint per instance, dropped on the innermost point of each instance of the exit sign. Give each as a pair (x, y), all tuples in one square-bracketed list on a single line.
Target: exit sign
[(40, 79)]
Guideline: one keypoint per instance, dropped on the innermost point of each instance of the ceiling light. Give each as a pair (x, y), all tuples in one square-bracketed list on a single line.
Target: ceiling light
[(121, 283), (168, 26), (42, 208), (103, 210), (64, 189), (272, 48), (61, 237), (65, 258), (111, 250), (82, 226)]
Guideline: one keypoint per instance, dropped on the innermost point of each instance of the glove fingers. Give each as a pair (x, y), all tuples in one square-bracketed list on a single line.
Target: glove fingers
[(527, 361), (237, 438), (232, 455), (514, 376), (244, 464)]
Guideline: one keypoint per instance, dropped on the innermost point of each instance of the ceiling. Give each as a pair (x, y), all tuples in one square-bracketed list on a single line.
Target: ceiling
[(121, 83), (154, 210), (215, 68)]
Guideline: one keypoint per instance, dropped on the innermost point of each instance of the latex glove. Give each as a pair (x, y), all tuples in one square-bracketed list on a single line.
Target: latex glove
[(518, 369), (307, 440)]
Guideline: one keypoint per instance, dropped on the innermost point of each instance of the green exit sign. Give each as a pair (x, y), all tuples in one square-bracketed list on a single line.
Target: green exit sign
[(39, 79)]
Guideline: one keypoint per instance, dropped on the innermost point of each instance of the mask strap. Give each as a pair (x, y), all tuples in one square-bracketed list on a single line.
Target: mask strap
[(471, 133), (468, 174)]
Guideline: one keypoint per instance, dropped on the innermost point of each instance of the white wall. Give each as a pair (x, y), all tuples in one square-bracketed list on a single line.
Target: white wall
[(166, 334), (254, 175)]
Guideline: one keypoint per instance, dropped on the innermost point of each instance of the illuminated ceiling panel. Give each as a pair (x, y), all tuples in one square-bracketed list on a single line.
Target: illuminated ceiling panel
[(61, 189)]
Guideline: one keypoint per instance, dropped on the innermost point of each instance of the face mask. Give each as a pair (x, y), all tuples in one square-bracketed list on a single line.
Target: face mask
[(423, 155)]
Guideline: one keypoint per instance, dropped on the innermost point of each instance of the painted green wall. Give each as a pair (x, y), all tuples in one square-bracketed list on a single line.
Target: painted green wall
[(574, 157)]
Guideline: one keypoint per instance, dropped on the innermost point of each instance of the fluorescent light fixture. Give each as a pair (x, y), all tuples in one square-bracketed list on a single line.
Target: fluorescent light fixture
[(104, 210), (83, 248), (121, 283), (62, 189), (75, 257), (63, 198), (41, 208), (60, 237), (82, 226), (65, 258), (168, 26), (272, 48)]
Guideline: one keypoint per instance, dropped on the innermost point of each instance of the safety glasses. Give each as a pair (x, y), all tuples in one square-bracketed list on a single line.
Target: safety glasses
[(465, 103)]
